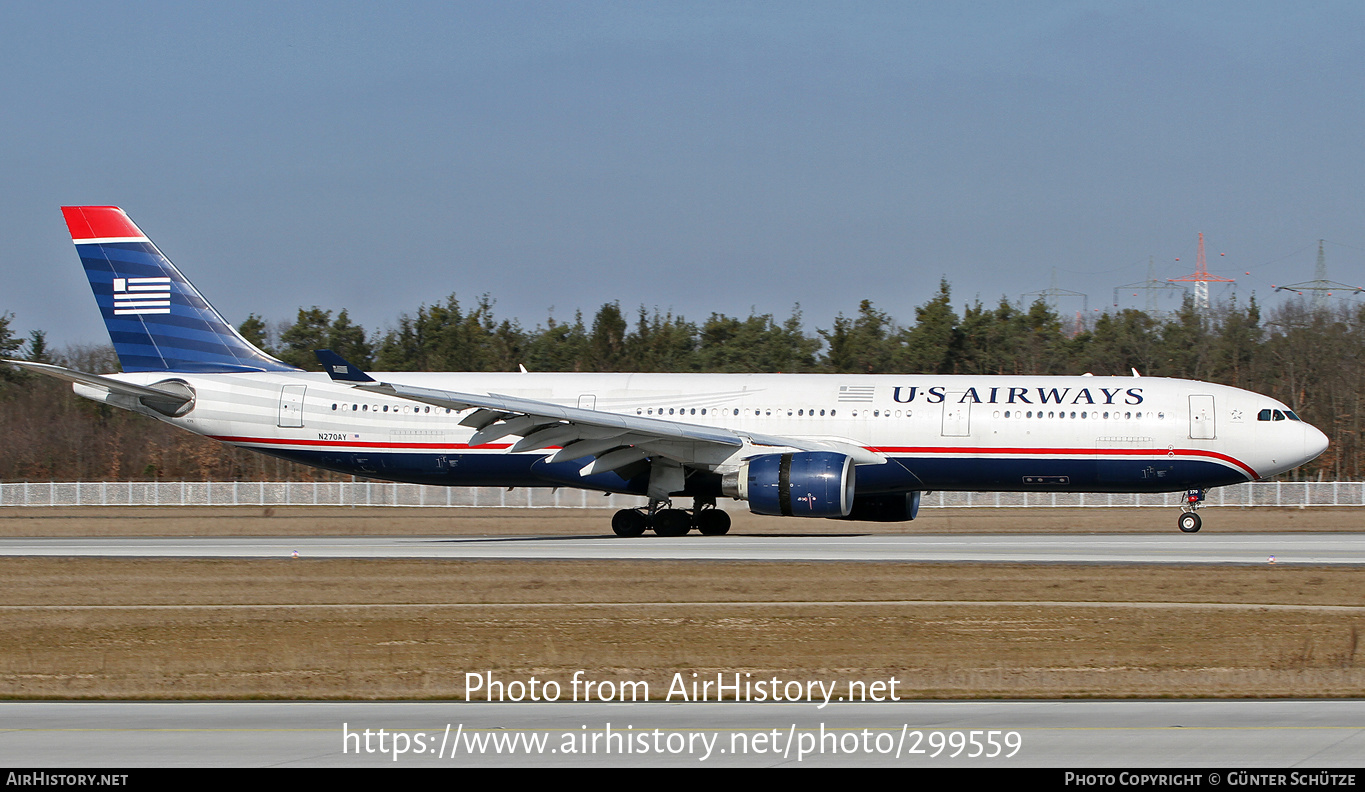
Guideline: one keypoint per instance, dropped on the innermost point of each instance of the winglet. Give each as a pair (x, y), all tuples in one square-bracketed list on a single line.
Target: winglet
[(338, 369)]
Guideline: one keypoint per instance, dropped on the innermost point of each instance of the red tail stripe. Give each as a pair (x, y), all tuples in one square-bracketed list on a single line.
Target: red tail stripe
[(98, 222)]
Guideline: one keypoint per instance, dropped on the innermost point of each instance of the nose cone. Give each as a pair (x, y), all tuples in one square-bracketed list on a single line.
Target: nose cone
[(1314, 443)]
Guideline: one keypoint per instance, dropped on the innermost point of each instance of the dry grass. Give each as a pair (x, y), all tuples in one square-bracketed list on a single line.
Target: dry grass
[(412, 629)]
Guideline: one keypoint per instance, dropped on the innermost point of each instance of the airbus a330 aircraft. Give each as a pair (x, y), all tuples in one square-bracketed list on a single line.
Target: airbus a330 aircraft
[(843, 446)]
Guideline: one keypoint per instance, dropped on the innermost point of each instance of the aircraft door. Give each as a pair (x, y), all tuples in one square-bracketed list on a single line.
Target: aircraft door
[(291, 406), (1201, 418), (957, 416)]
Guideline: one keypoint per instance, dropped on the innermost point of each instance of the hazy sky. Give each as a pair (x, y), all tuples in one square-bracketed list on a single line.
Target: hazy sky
[(693, 157)]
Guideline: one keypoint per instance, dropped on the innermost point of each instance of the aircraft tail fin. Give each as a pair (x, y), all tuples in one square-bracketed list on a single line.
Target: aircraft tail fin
[(156, 318)]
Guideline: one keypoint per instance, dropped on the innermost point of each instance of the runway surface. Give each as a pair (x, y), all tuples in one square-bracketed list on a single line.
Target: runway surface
[(1082, 734), (1164, 548)]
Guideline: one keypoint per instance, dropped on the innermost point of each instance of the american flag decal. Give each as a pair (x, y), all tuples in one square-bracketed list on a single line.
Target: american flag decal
[(142, 296), (855, 393)]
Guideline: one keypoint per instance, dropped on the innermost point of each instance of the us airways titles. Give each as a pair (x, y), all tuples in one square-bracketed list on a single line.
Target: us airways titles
[(1010, 395)]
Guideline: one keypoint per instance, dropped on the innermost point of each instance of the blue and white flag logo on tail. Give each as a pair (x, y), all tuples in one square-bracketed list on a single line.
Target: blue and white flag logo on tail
[(142, 296), (133, 283)]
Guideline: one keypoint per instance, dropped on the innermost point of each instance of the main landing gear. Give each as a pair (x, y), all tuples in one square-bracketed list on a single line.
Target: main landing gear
[(667, 521), (1189, 520)]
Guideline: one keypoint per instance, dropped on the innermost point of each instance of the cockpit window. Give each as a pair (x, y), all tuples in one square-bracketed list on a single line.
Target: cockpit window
[(1292, 416), (1276, 415), (1263, 415)]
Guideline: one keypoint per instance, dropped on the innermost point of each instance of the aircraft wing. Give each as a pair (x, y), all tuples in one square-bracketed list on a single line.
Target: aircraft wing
[(613, 439)]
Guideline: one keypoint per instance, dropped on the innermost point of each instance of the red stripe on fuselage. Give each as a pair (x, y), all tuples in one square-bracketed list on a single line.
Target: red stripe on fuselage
[(357, 443), (953, 450)]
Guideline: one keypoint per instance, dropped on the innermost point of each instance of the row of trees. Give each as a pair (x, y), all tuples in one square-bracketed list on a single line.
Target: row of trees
[(1312, 360)]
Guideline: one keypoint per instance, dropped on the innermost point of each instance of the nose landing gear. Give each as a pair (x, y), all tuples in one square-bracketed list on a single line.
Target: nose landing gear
[(1189, 520)]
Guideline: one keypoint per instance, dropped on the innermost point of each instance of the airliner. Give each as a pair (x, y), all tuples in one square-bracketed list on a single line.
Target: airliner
[(837, 446)]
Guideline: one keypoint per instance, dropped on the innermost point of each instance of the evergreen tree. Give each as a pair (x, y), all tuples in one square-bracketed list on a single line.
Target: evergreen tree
[(1185, 342), (38, 350), (9, 346), (661, 343), (254, 330), (348, 340), (310, 332), (930, 347), (861, 345), (1120, 343), (558, 347), (607, 345), (756, 344), (1239, 339)]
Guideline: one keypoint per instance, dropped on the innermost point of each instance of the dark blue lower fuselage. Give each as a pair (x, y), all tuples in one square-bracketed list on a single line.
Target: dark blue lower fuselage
[(901, 474)]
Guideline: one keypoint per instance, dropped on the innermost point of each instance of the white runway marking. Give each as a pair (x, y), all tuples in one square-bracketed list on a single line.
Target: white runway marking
[(1255, 549)]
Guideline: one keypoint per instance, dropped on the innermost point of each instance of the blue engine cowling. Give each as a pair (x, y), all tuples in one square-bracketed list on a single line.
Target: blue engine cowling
[(889, 507), (803, 484)]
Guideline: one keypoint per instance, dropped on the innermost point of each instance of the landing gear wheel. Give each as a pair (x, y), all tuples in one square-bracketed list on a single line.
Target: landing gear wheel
[(713, 522), (672, 522), (1190, 522), (629, 522)]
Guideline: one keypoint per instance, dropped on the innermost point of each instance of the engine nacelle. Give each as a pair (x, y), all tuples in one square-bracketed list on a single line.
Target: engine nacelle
[(890, 507), (802, 484)]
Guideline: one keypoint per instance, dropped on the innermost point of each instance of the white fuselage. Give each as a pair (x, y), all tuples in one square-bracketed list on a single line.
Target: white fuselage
[(1117, 434)]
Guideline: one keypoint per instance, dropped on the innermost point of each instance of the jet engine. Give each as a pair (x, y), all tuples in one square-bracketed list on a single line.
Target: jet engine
[(802, 484)]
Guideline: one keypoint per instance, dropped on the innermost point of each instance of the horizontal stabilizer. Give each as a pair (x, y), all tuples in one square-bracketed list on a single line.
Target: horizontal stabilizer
[(169, 399)]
